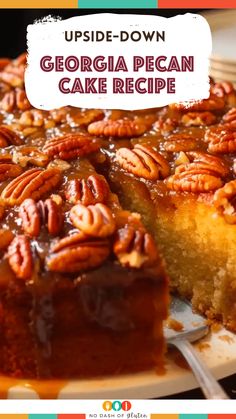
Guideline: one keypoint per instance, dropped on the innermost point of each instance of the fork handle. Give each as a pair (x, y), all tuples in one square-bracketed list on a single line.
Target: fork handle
[(209, 385)]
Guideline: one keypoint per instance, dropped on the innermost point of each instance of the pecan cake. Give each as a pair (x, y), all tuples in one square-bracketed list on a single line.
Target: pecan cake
[(83, 289), (87, 199)]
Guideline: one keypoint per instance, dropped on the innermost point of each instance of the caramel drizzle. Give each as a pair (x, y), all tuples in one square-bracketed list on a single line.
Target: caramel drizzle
[(45, 389)]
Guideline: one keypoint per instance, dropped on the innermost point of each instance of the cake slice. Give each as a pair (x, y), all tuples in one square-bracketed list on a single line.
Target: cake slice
[(83, 289)]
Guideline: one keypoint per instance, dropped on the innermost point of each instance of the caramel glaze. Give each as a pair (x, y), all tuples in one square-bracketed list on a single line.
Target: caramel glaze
[(45, 389)]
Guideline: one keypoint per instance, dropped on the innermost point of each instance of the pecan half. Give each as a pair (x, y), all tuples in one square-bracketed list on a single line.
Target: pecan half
[(35, 214), (15, 99), (221, 140), (22, 101), (28, 154), (225, 201), (195, 182), (205, 161), (143, 161), (79, 256), (134, 247), (30, 217), (51, 215), (12, 77), (9, 171), (198, 119), (33, 118), (94, 220), (120, 128), (83, 119), (7, 103), (229, 119), (88, 191), (70, 146), (69, 241), (222, 89), (59, 115), (180, 142), (202, 174), (6, 237), (214, 103), (8, 137), (165, 125), (33, 183), (20, 257)]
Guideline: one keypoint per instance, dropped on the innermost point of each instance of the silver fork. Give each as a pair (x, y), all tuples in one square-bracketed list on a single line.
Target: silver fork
[(194, 328)]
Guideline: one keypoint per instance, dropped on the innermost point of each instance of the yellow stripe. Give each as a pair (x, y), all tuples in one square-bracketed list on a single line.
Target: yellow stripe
[(42, 4), (164, 416), (13, 416)]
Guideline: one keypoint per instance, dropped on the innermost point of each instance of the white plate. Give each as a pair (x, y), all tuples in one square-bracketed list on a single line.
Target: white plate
[(220, 356), (223, 28), (231, 70), (223, 75)]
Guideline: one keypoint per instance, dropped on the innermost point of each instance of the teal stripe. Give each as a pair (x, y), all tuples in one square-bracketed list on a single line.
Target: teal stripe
[(42, 416), (118, 4), (193, 416)]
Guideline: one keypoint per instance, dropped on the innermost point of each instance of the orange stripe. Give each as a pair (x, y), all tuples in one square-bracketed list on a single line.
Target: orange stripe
[(42, 4)]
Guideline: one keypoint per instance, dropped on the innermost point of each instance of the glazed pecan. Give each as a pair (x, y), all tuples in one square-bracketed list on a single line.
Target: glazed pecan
[(198, 119), (222, 89), (15, 99), (214, 103), (34, 215), (20, 257), (30, 217), (22, 102), (134, 247), (6, 237), (143, 161), (33, 118), (28, 154), (229, 119), (195, 182), (70, 146), (69, 241), (225, 201), (8, 101), (12, 77), (83, 119), (59, 164), (221, 140), (165, 125), (78, 256), (181, 142), (51, 215), (9, 171), (205, 161), (94, 220), (33, 183), (202, 174), (88, 191), (120, 128), (8, 137), (59, 115)]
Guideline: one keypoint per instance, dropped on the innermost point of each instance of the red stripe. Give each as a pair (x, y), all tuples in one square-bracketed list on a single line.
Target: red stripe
[(193, 4)]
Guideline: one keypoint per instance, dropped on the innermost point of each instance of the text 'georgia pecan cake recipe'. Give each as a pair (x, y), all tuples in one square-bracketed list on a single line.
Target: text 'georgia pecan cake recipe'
[(91, 204)]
